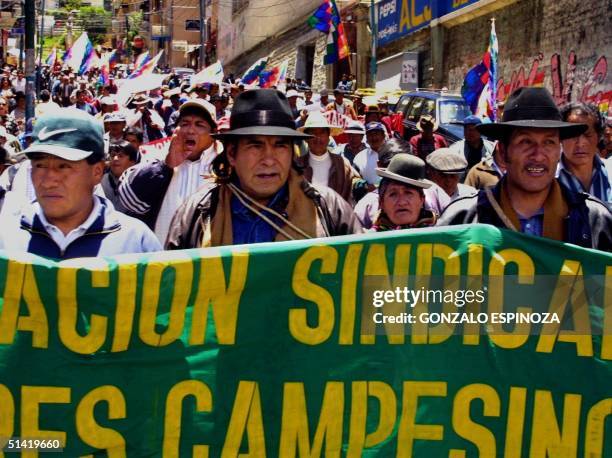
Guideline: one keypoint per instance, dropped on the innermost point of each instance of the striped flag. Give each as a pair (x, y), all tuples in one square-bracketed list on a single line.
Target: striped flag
[(480, 83), (51, 58), (252, 74), (326, 19), (105, 67), (148, 67), (90, 60), (142, 59), (113, 59), (78, 53), (275, 77), (211, 74)]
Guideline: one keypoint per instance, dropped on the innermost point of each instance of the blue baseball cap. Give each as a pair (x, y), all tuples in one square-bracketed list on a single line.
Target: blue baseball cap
[(471, 120), (68, 133), (375, 126)]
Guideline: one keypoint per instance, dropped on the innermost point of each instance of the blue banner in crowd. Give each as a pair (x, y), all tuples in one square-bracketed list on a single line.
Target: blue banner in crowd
[(398, 18)]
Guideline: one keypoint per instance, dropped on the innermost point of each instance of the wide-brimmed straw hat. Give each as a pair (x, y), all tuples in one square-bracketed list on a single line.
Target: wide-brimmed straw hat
[(427, 119), (262, 112), (316, 119), (531, 107)]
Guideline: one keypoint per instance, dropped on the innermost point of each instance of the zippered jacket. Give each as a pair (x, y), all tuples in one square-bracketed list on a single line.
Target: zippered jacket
[(110, 234)]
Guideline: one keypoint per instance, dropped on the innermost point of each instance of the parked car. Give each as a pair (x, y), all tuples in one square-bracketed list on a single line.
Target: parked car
[(449, 109), (184, 73)]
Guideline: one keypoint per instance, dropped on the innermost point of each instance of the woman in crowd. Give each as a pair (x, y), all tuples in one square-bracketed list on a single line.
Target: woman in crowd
[(6, 90), (402, 196)]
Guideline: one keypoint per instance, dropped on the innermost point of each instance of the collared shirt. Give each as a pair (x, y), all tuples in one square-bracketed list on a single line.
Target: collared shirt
[(463, 190), (365, 163), (495, 167), (600, 180), (61, 240), (533, 225), (247, 227), (346, 151)]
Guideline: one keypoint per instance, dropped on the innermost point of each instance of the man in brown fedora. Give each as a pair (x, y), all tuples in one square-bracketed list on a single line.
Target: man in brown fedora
[(258, 194), (528, 198)]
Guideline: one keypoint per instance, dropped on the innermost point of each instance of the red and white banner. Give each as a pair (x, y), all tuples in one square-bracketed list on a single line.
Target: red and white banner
[(157, 149), (337, 119)]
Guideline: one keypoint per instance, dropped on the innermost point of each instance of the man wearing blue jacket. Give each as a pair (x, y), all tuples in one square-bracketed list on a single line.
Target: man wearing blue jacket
[(67, 220)]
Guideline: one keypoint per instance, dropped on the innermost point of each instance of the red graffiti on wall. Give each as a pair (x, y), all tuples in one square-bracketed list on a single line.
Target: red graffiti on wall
[(562, 87), (535, 78), (597, 76), (562, 92)]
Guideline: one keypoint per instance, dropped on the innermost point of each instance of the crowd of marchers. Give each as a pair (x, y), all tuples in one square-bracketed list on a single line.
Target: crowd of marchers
[(241, 165)]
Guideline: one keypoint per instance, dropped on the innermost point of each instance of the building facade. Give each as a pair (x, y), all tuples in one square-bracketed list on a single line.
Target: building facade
[(246, 30), (560, 44)]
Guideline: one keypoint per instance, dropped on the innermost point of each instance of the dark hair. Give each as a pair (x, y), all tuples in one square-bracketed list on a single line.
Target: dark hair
[(221, 167), (4, 156), (385, 182), (94, 158), (586, 109), (392, 147), (200, 113), (135, 131), (19, 95), (45, 95), (125, 147)]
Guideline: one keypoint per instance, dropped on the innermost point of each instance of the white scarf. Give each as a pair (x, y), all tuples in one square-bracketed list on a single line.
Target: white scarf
[(186, 179)]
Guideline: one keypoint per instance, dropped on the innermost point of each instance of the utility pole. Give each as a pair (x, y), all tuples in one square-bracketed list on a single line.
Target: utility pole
[(30, 30), (69, 24), (40, 51), (202, 33), (374, 30), (128, 48)]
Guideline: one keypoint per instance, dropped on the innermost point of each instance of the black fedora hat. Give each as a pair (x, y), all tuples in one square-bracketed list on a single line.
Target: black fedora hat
[(531, 107), (405, 168), (262, 112)]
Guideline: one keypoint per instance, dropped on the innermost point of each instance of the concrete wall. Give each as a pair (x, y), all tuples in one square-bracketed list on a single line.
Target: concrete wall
[(181, 11), (561, 44), (287, 46), (257, 23), (417, 42)]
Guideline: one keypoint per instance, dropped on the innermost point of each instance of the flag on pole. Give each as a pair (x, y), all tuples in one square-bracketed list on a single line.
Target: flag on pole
[(327, 19), (105, 67), (113, 59), (275, 77), (252, 74), (51, 58), (142, 59), (148, 67), (211, 74), (78, 52), (90, 59), (480, 83)]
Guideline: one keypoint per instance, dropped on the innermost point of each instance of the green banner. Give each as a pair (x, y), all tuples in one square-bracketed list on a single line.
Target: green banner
[(465, 342)]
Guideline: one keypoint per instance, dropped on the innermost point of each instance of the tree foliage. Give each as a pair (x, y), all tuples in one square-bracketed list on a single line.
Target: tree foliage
[(96, 21)]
